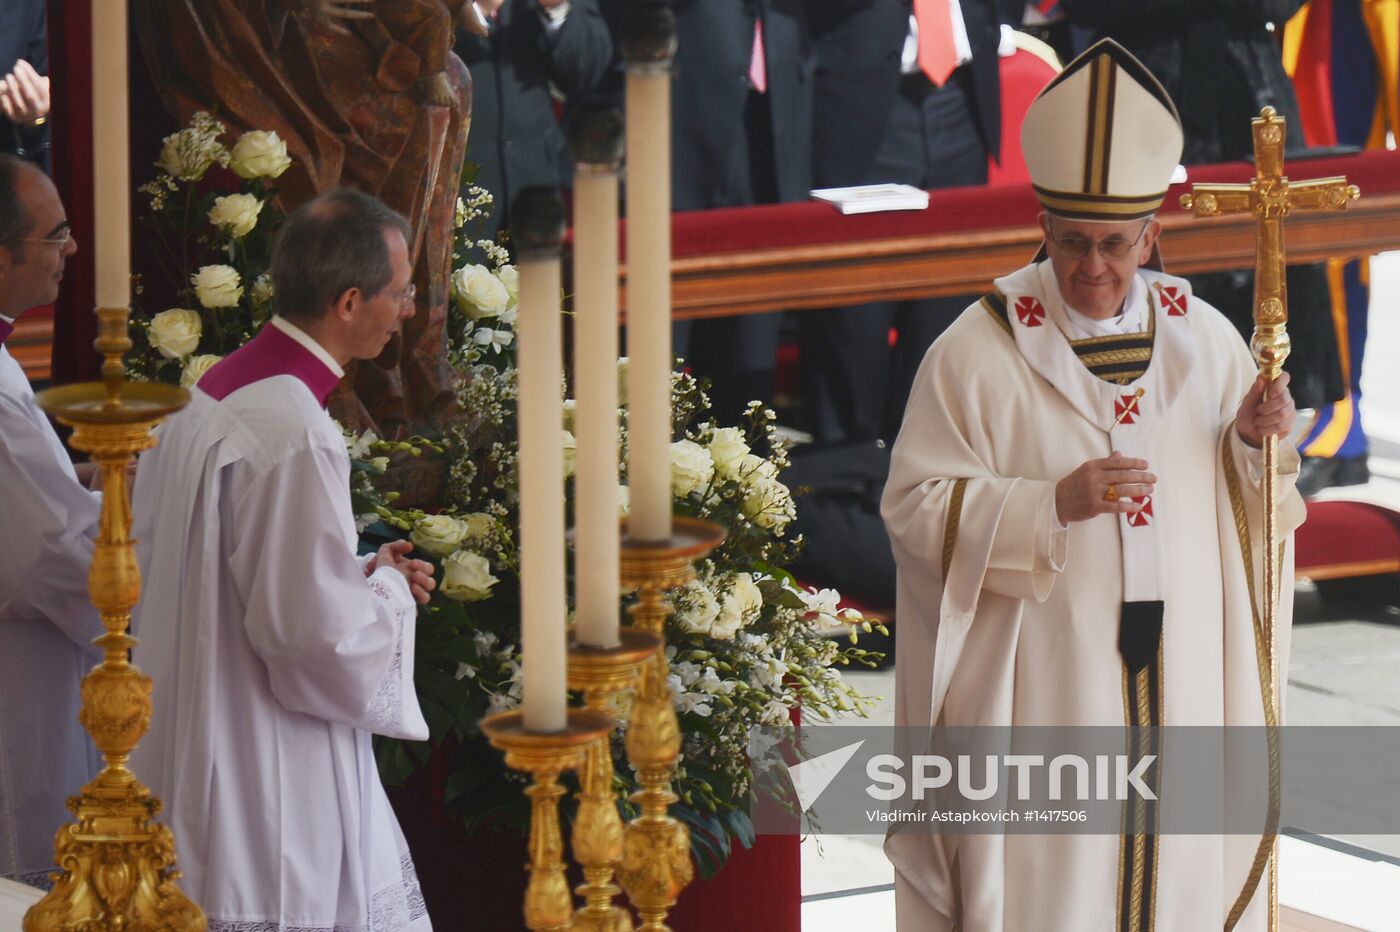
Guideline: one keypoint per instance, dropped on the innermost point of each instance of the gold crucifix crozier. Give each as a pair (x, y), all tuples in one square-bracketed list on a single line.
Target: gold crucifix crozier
[(1271, 197)]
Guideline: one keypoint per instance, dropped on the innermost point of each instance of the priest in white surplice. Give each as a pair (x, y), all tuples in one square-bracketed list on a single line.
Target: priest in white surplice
[(276, 652), (1075, 507), (49, 520)]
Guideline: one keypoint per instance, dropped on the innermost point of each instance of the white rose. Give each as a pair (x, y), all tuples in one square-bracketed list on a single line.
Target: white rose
[(624, 501), (509, 276), (728, 449), (570, 454), (691, 468), (379, 463), (259, 154), (739, 606), (479, 293), (438, 535), (236, 214), (175, 333), (768, 504), (466, 577), (570, 410), (698, 609), (217, 286), (755, 470), (196, 367)]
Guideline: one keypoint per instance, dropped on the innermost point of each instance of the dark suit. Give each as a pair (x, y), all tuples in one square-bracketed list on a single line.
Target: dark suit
[(515, 139), (732, 147), (725, 155), (24, 34), (875, 124)]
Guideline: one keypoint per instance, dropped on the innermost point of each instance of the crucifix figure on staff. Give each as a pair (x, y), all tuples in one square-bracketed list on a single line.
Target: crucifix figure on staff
[(1076, 504), (1271, 197)]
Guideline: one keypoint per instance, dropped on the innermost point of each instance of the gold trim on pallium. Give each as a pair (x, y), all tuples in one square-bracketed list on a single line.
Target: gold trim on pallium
[(1112, 357), (950, 527), (999, 313), (1261, 656), (1137, 892)]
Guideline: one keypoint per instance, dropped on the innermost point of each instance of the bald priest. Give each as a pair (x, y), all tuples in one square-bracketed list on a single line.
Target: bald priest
[(1075, 508)]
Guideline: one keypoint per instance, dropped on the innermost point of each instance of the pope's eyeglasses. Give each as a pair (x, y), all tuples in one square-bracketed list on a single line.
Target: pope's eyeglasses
[(1113, 248)]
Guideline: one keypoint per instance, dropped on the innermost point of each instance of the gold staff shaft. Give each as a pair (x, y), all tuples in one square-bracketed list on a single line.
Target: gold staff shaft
[(1271, 197)]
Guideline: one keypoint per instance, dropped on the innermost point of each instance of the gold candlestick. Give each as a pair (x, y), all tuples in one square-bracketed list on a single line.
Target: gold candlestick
[(601, 673), (116, 860), (544, 755), (656, 862)]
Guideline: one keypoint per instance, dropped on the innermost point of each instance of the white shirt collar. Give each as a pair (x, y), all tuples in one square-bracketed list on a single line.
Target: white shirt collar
[(8, 320), (305, 339), (1132, 319)]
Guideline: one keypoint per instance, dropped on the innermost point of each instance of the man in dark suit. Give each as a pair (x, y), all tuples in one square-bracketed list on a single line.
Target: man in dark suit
[(881, 117), (24, 87), (742, 134), (516, 52)]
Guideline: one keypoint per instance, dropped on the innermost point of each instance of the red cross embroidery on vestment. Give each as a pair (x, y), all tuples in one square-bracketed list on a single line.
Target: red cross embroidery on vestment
[(1174, 301), (1124, 409), (1140, 518), (1029, 311)]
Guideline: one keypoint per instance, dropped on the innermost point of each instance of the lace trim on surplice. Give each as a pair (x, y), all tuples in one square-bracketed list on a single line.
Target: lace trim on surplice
[(393, 909), (385, 712)]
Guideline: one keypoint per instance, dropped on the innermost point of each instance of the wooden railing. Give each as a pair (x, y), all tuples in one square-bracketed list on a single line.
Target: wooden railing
[(796, 256)]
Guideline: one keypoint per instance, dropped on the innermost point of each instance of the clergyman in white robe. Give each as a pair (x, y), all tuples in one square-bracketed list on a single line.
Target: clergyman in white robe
[(1007, 617), (47, 626), (274, 656)]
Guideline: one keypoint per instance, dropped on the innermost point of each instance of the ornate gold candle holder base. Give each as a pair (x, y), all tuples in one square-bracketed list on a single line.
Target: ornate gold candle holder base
[(600, 674), (116, 860), (656, 862), (544, 755)]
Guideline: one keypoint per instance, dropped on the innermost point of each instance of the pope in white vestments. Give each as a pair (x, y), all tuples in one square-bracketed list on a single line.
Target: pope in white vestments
[(1075, 508), (49, 520), (276, 652)]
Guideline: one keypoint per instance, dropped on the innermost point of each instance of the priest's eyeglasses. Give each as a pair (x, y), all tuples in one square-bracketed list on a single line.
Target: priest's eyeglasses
[(61, 239), (1113, 248)]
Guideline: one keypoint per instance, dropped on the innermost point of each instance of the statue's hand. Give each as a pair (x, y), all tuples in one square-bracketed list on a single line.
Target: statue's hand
[(329, 12)]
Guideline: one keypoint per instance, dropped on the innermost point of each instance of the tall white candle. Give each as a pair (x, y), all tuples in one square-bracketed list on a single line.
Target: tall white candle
[(111, 175), (540, 357), (596, 567), (649, 302)]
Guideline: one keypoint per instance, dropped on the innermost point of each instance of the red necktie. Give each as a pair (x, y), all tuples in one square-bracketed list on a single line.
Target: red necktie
[(938, 56), (758, 63)]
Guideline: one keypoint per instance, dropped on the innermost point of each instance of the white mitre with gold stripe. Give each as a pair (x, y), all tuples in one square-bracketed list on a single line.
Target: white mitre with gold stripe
[(1103, 139)]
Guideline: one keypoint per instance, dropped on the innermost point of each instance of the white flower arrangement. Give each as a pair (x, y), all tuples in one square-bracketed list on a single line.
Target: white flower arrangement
[(747, 645)]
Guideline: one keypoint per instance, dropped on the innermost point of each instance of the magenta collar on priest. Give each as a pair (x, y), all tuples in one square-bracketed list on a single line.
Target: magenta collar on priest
[(280, 348)]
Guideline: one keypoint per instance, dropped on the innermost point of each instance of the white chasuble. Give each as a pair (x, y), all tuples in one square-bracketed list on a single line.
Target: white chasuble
[(1007, 618), (274, 656), (47, 626)]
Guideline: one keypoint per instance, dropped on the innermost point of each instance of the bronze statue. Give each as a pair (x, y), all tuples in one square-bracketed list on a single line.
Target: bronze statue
[(366, 94)]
